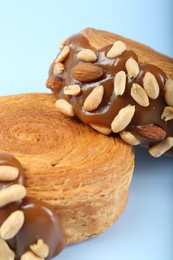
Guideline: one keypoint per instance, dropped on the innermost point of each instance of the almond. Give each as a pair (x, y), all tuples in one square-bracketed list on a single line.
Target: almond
[(152, 132), (86, 72)]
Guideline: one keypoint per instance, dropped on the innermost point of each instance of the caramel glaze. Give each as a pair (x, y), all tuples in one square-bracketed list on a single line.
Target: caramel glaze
[(111, 104), (41, 221)]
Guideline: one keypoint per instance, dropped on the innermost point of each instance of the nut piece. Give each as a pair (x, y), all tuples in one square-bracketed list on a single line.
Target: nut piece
[(139, 95), (86, 72), (129, 138), (30, 256), (132, 68), (152, 132), (63, 54), (120, 83), (40, 249), (13, 193), (169, 92), (65, 107), (5, 252), (12, 225), (151, 85), (87, 55), (123, 118), (159, 149), (101, 129), (62, 43), (167, 113), (117, 49), (94, 99), (72, 90), (58, 68), (8, 173)]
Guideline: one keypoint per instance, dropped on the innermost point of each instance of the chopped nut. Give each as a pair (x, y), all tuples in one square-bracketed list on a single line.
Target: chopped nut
[(101, 129), (120, 83), (5, 252), (13, 193), (132, 68), (94, 99), (151, 85), (40, 249), (63, 54), (58, 68), (129, 138), (167, 113), (87, 55), (65, 107), (169, 92), (72, 90), (117, 49), (162, 147), (62, 43), (123, 118), (30, 256), (12, 225), (8, 173), (139, 95)]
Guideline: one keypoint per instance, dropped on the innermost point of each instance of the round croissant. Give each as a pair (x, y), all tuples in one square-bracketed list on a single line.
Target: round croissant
[(84, 175)]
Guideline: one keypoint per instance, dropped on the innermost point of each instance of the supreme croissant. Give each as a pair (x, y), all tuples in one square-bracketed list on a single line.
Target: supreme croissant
[(116, 85)]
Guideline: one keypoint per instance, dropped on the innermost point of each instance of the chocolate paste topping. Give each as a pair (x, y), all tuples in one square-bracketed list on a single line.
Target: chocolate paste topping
[(41, 221), (111, 104)]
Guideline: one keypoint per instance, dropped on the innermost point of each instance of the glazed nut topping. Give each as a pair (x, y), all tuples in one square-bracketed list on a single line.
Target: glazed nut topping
[(94, 99), (63, 54), (151, 85), (132, 68), (162, 147), (139, 95), (117, 49), (30, 256), (58, 68), (13, 193), (101, 129), (64, 107), (129, 138), (167, 114), (40, 249), (8, 173), (152, 132), (87, 55), (119, 83), (12, 225), (122, 120), (5, 252), (72, 90), (169, 92)]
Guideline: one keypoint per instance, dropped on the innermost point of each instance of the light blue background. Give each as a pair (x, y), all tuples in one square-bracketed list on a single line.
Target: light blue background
[(30, 32)]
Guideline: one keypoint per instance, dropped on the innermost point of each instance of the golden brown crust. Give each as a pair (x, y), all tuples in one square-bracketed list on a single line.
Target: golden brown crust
[(99, 38), (83, 174)]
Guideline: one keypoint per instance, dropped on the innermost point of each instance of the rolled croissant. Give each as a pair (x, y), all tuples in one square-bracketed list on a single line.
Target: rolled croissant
[(116, 85), (84, 175)]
